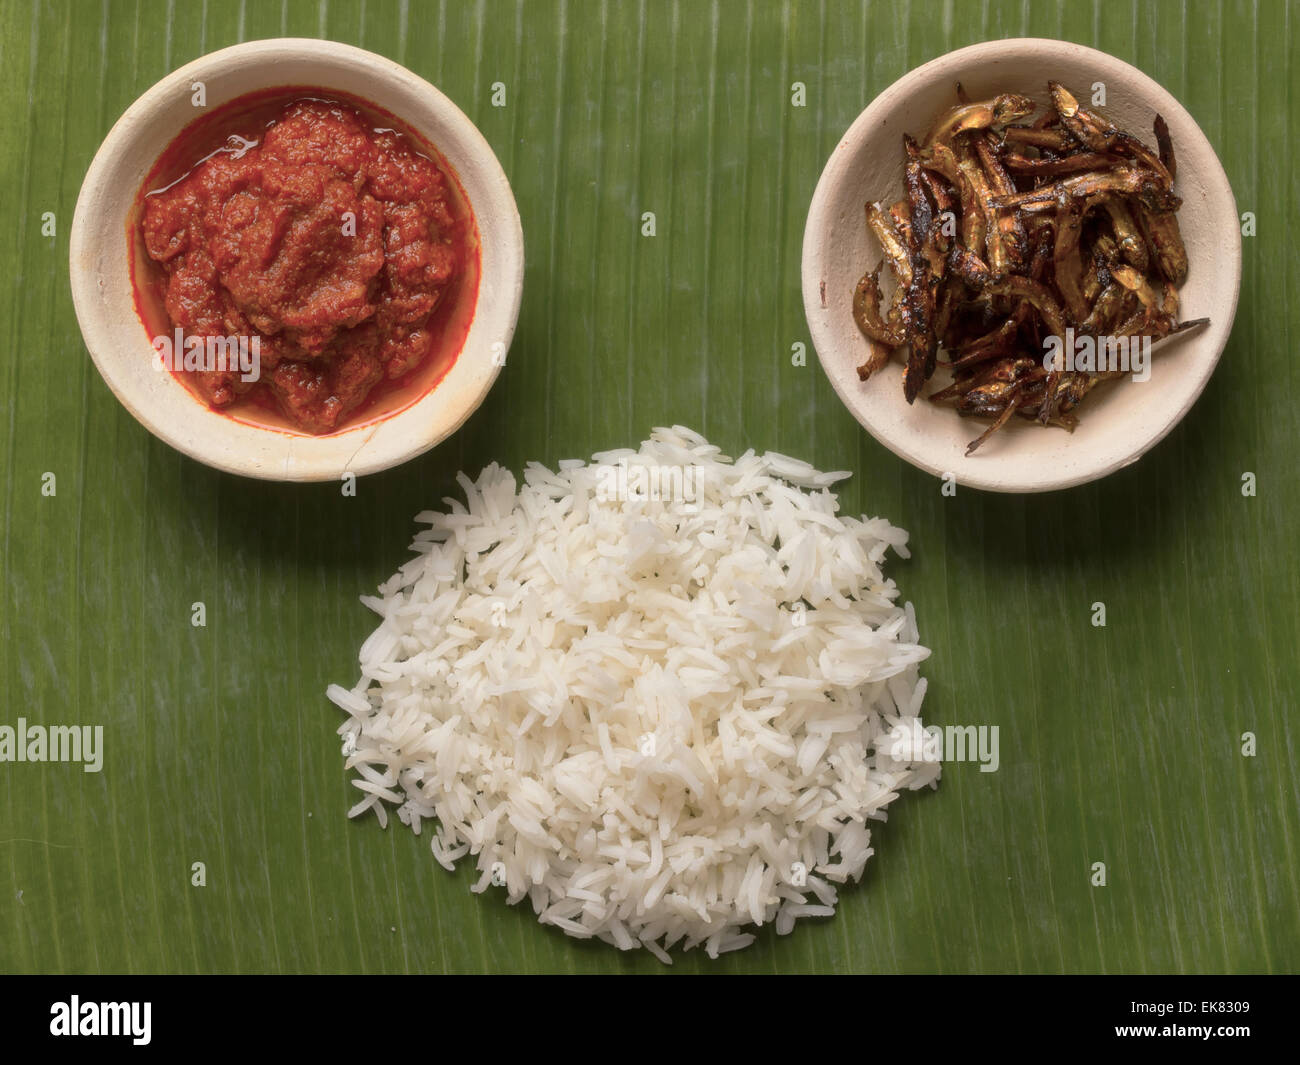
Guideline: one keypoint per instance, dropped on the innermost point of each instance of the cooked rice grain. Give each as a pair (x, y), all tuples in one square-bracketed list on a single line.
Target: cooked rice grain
[(661, 721)]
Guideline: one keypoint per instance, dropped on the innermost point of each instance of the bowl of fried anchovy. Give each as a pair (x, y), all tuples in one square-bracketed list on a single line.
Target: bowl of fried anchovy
[(1030, 239)]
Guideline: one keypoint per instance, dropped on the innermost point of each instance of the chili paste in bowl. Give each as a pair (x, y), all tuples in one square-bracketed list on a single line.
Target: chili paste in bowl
[(303, 261), (296, 260)]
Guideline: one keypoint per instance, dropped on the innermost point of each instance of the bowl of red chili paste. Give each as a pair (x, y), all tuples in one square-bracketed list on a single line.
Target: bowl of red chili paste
[(296, 260)]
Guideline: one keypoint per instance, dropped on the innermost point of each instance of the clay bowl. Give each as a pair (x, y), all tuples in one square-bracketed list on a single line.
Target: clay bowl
[(1120, 420), (119, 341)]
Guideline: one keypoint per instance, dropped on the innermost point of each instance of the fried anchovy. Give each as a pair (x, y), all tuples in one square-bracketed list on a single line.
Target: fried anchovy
[(924, 223), (1071, 164), (877, 356), (919, 306), (866, 312), (992, 247), (1056, 140), (943, 160), (969, 267), (986, 114), (1132, 245), (1096, 133), (1066, 259), (890, 243), (1037, 294), (1165, 146), (1126, 180), (1011, 227), (1105, 311), (1162, 234)]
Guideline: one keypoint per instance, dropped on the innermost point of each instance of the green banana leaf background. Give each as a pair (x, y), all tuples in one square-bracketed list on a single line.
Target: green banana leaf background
[(1120, 744)]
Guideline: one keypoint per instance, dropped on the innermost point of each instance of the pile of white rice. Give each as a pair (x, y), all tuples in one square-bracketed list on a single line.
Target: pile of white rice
[(660, 720)]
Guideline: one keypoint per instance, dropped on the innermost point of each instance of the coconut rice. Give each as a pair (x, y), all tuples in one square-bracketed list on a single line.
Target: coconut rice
[(662, 717)]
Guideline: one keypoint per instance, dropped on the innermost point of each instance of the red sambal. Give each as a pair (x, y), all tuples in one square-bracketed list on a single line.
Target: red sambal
[(335, 239)]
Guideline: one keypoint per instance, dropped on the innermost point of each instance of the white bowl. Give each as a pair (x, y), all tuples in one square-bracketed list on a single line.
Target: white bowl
[(119, 342), (1120, 420)]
